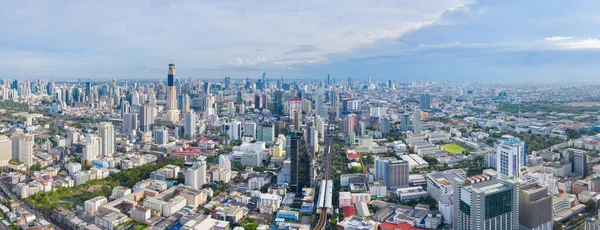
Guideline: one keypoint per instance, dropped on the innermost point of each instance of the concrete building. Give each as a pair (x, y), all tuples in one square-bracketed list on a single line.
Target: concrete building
[(190, 125), (5, 150), (440, 187), (535, 208), (487, 201), (106, 131), (510, 156), (92, 206)]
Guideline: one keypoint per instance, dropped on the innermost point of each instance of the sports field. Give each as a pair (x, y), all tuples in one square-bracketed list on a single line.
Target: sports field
[(453, 148)]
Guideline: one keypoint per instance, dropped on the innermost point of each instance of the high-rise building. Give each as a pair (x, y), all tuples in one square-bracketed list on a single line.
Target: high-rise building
[(384, 126), (5, 150), (295, 104), (172, 113), (393, 172), (92, 149), (297, 119), (130, 122), (278, 103), (266, 132), (184, 102), (405, 122), (440, 188), (535, 208), (579, 161), (487, 201), (224, 162), (106, 131), (22, 148), (300, 163), (195, 176), (417, 121), (510, 156), (190, 125), (351, 123), (425, 101), (146, 117), (161, 136)]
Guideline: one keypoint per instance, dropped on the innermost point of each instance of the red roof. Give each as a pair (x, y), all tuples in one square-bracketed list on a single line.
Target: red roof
[(400, 226), (348, 211), (351, 155)]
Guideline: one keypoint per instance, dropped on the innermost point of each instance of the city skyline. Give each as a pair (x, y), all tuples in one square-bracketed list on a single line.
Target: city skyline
[(446, 40)]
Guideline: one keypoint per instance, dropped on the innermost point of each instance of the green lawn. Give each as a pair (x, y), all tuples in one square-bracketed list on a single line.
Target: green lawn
[(453, 148)]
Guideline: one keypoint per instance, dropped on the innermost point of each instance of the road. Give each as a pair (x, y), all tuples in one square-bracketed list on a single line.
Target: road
[(10, 196), (329, 143)]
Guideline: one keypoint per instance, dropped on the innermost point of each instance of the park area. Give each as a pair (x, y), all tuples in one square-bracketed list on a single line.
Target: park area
[(453, 148)]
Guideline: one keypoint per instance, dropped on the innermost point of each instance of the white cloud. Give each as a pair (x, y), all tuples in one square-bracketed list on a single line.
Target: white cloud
[(555, 39), (588, 43), (211, 34)]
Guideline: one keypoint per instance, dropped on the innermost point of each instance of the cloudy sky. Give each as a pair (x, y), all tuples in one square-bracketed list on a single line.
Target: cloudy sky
[(490, 40)]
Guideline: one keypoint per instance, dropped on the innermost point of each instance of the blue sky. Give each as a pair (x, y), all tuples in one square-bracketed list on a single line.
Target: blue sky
[(404, 40)]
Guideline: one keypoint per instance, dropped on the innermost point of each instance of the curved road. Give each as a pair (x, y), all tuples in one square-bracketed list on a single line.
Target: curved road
[(323, 215)]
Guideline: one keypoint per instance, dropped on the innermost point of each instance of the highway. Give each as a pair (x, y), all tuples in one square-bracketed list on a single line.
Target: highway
[(323, 218)]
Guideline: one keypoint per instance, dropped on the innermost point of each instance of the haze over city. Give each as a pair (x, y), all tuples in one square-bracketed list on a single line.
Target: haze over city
[(404, 40)]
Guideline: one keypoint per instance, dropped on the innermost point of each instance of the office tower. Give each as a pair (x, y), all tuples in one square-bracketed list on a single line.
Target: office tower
[(487, 201), (425, 101), (227, 82), (161, 136), (295, 104), (184, 102), (130, 122), (231, 108), (266, 132), (172, 113), (405, 122), (224, 162), (579, 161), (146, 117), (300, 162), (22, 148), (535, 208), (190, 125), (249, 129), (393, 172), (235, 130), (297, 119), (92, 149), (440, 188), (278, 103), (328, 80), (242, 109), (106, 131), (319, 126), (310, 135), (5, 150), (125, 108), (510, 156), (351, 123), (417, 121), (306, 106), (377, 111), (384, 126)]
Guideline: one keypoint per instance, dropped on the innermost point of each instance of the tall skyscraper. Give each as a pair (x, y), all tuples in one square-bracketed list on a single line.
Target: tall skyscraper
[(535, 208), (487, 201), (300, 162), (417, 121), (130, 122), (510, 156), (579, 162), (266, 132), (146, 117), (92, 149), (106, 131), (425, 101), (351, 123), (22, 148), (190, 125), (161, 136), (172, 113), (5, 150), (297, 119), (384, 126), (405, 122), (278, 103)]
